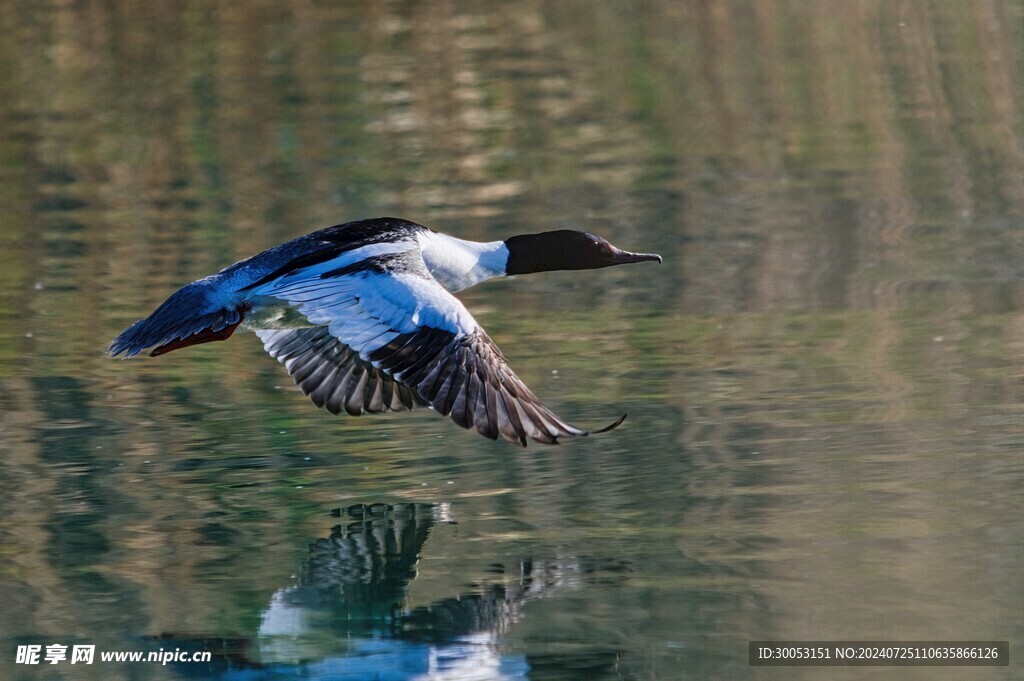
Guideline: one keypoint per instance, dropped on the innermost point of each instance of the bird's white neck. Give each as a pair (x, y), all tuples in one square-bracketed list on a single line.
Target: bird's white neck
[(458, 264)]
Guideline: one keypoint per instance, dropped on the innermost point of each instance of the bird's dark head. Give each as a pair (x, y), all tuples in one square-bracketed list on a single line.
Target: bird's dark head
[(566, 249)]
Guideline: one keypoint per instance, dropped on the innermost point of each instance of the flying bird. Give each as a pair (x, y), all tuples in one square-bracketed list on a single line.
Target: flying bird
[(363, 318)]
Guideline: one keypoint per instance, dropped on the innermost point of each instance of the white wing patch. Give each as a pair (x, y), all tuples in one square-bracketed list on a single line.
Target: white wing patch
[(366, 310), (314, 272)]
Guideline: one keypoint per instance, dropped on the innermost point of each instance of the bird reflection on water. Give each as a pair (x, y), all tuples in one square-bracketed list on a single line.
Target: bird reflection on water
[(349, 598)]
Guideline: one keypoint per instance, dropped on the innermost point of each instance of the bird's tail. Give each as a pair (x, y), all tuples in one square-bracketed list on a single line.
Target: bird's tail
[(177, 323)]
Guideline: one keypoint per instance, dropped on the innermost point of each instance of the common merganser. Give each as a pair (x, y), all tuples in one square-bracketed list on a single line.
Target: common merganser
[(362, 316)]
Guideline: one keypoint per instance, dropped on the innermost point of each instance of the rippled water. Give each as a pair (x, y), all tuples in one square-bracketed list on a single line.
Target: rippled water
[(823, 381)]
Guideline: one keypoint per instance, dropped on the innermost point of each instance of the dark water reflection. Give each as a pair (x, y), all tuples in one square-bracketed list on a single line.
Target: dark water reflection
[(345, 617), (823, 379)]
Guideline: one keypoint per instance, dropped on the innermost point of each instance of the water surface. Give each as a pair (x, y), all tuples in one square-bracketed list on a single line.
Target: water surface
[(823, 380)]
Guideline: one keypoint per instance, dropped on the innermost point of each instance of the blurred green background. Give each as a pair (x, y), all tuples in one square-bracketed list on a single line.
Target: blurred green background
[(823, 381)]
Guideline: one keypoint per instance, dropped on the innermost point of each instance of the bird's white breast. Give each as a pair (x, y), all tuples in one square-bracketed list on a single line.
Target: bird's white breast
[(458, 264)]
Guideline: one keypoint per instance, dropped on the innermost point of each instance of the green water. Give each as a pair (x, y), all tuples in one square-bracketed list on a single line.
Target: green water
[(824, 380)]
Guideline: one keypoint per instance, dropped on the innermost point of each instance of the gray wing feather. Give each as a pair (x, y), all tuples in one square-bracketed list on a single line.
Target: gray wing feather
[(466, 377), (333, 375)]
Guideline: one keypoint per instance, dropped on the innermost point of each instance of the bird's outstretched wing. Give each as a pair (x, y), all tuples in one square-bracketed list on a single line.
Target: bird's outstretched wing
[(333, 375), (385, 325)]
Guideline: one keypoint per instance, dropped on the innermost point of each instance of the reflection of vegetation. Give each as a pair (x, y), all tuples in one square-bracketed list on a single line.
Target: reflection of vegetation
[(831, 345)]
